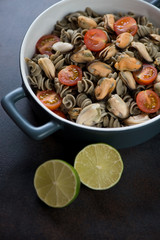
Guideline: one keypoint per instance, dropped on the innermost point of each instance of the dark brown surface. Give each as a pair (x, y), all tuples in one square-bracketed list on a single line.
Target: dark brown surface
[(130, 210)]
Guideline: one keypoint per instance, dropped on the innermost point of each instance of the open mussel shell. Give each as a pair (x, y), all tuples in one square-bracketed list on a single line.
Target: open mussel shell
[(127, 63), (90, 115), (133, 120), (82, 56), (142, 51), (100, 69), (86, 22), (123, 40), (117, 106), (105, 87), (128, 79)]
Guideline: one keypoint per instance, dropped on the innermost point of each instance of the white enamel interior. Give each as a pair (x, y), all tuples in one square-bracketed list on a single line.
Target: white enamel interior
[(44, 23)]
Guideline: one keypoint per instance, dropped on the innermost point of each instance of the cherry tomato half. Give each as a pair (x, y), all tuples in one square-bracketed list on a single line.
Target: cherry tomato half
[(50, 99), (60, 113), (146, 75), (148, 101), (45, 43), (70, 75), (95, 39), (126, 24)]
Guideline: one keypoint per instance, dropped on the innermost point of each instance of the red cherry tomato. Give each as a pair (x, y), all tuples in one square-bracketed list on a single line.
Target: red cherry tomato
[(45, 43), (126, 24), (148, 101), (70, 75), (146, 75), (60, 113), (50, 99), (95, 39)]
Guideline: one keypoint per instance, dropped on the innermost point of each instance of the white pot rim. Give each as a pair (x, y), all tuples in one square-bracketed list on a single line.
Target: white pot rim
[(137, 6)]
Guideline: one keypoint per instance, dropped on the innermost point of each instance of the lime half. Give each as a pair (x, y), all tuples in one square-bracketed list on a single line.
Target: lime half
[(56, 183), (99, 166)]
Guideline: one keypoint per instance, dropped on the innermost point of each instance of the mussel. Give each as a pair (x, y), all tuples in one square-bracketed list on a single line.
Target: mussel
[(98, 68), (117, 106)]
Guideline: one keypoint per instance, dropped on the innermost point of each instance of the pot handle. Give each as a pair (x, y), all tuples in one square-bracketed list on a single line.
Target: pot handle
[(37, 133), (155, 3)]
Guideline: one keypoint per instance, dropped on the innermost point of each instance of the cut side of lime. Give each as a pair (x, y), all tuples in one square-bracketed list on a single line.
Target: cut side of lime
[(57, 183), (99, 166)]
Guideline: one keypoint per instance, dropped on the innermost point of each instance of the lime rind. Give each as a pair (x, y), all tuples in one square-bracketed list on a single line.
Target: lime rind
[(87, 170), (44, 181)]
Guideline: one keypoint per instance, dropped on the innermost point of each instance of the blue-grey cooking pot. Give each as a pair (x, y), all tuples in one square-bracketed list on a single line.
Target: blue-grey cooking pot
[(121, 137)]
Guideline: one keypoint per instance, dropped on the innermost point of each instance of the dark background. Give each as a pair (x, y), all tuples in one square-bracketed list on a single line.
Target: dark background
[(130, 210)]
